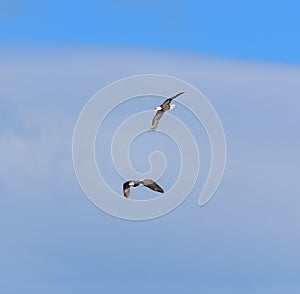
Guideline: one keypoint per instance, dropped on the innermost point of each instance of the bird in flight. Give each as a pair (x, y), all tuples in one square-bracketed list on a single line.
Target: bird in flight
[(160, 110), (147, 183)]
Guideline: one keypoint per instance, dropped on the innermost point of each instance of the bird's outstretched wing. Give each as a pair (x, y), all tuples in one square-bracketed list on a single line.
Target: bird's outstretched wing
[(127, 185), (156, 119), (152, 185), (169, 100), (175, 96), (166, 103), (126, 189)]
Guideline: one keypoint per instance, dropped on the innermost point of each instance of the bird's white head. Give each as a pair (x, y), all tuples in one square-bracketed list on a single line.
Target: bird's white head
[(158, 108), (131, 183), (172, 106)]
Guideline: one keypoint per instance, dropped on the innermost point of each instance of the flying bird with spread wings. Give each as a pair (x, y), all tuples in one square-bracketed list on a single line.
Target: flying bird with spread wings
[(147, 183), (160, 110)]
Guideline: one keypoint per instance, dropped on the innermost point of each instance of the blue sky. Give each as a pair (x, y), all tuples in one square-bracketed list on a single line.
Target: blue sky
[(55, 57), (263, 30)]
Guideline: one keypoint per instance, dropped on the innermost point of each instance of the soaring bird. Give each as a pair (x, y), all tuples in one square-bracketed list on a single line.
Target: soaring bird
[(147, 183), (160, 110)]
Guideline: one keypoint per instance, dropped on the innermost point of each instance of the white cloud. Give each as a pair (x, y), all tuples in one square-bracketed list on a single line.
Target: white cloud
[(258, 105)]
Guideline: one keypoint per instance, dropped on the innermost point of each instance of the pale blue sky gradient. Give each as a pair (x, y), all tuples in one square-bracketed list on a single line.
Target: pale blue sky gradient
[(54, 57), (245, 240)]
